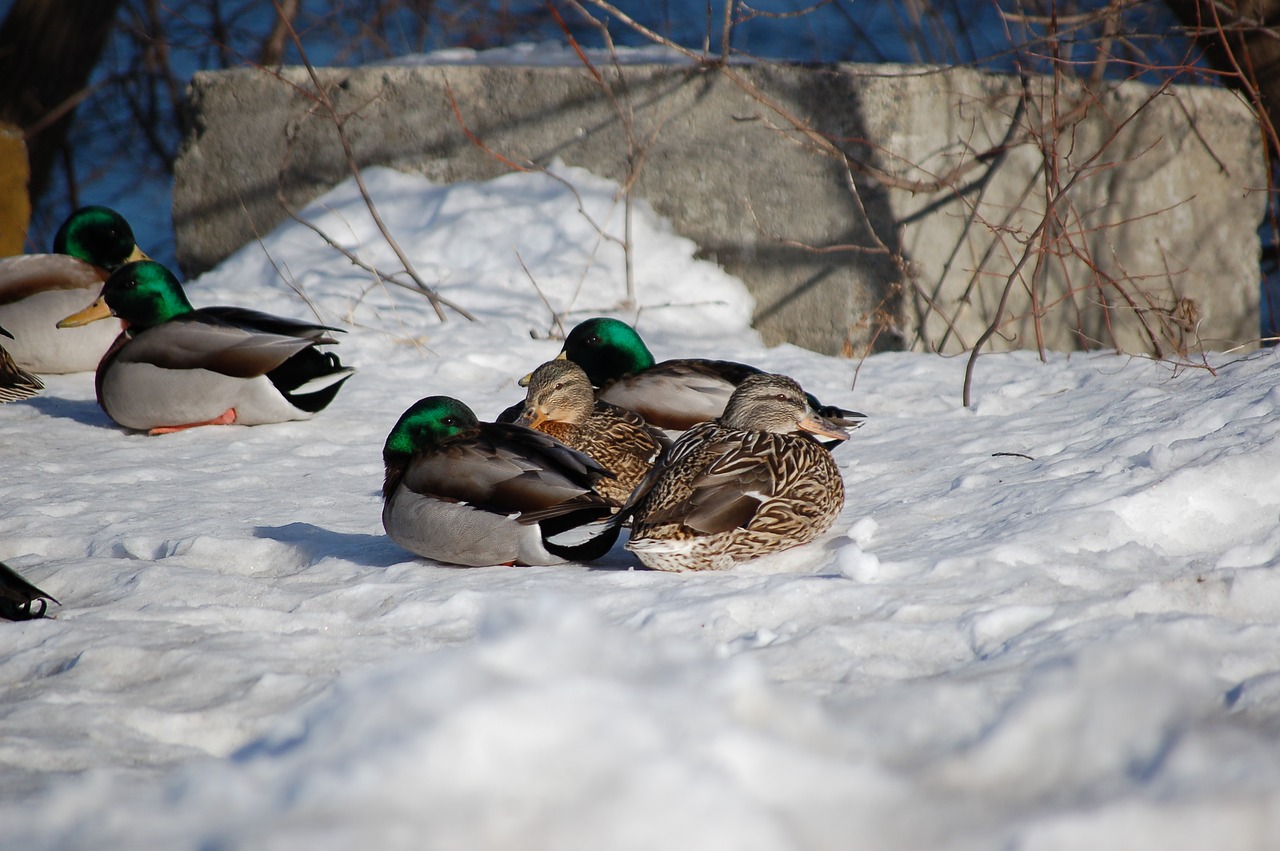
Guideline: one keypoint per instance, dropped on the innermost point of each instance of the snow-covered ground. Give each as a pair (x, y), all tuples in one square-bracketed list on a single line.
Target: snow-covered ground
[(1050, 621)]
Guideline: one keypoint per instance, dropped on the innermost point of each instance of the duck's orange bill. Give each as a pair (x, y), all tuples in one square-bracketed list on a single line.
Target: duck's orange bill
[(531, 418), (815, 424), (92, 313)]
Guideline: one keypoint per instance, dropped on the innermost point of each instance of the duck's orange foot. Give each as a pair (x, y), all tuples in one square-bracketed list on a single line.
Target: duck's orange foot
[(227, 417)]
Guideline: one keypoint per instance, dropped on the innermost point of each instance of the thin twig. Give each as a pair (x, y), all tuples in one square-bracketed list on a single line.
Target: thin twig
[(339, 123)]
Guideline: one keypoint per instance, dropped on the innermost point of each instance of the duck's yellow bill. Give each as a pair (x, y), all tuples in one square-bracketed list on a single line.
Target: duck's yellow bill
[(92, 313), (136, 255)]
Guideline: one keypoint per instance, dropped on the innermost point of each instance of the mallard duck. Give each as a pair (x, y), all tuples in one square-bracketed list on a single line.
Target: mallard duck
[(18, 597), (742, 486), (176, 367), (15, 382), (465, 492), (36, 290), (561, 402), (673, 394)]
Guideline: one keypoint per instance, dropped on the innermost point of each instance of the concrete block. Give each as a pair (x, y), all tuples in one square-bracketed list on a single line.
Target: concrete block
[(897, 250)]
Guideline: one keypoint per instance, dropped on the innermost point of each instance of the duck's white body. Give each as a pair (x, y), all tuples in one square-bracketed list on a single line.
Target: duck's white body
[(457, 533), (145, 396), (194, 370)]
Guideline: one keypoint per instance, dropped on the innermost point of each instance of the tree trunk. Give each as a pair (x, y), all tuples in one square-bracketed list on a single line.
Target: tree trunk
[(48, 49)]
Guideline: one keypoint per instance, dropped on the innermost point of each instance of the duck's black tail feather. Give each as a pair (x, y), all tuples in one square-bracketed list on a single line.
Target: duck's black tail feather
[(310, 379), (19, 599), (580, 541), (579, 536)]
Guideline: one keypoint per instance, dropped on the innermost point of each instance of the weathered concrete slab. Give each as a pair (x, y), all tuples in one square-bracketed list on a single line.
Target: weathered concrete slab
[(897, 251)]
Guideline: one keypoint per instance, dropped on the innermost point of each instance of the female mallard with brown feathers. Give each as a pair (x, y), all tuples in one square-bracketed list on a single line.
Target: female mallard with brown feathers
[(743, 486), (175, 367), (15, 382), (673, 394), (561, 402), (465, 492), (36, 290)]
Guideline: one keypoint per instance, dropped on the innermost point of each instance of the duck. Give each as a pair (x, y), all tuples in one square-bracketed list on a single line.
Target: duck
[(672, 394), (560, 401), (15, 382), (19, 598), (473, 493), (36, 290), (175, 367), (752, 482)]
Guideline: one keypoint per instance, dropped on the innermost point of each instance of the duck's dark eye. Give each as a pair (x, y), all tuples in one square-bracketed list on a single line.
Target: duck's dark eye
[(593, 340), (559, 386), (450, 421)]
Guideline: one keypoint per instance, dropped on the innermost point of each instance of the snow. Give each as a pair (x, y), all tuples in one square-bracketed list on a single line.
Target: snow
[(1046, 622), (546, 53)]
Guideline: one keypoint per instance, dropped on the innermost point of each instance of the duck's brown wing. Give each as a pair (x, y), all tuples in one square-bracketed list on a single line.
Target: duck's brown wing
[(718, 487), (15, 382)]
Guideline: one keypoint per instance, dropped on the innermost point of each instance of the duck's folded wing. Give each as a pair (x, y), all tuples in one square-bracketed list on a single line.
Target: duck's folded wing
[(28, 274), (674, 394), (218, 347), (725, 495), (256, 320), (496, 474), (15, 382)]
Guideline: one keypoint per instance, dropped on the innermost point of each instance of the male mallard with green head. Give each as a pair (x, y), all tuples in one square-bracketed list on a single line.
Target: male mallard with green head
[(673, 394), (175, 367), (561, 402), (36, 290), (465, 492)]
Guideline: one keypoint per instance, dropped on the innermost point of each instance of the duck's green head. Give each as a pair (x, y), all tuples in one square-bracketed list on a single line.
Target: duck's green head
[(98, 235), (143, 294), (606, 349), (428, 423)]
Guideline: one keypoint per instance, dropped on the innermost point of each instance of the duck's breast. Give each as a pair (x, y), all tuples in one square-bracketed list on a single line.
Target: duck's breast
[(40, 346)]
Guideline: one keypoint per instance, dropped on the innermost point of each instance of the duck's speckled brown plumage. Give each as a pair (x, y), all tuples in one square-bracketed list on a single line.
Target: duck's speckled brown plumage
[(15, 382), (739, 487), (561, 402)]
